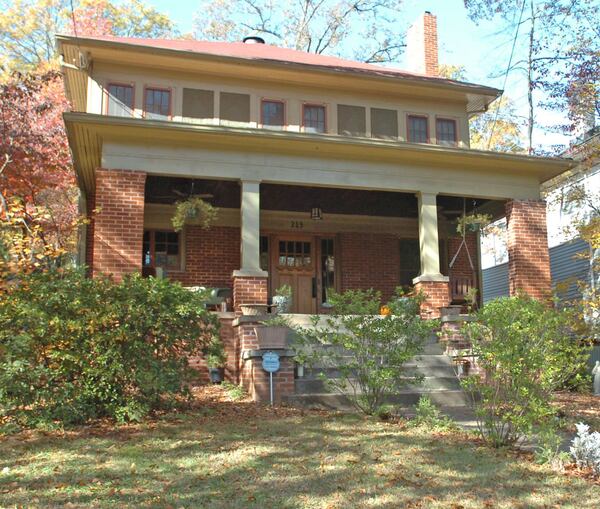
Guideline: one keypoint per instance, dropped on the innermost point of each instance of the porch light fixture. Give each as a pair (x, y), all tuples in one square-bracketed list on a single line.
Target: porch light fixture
[(316, 214)]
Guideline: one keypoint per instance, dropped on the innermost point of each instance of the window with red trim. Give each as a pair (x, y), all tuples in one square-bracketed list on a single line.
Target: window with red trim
[(120, 100), (313, 118), (272, 113), (157, 103), (445, 131), (417, 129)]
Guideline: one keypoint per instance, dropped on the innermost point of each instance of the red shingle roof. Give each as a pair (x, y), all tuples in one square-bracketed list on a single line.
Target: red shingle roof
[(264, 52)]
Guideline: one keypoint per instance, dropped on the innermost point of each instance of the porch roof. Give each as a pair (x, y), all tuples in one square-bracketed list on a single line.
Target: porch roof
[(88, 133)]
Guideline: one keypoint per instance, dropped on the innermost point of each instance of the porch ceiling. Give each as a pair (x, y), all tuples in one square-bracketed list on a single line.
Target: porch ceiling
[(181, 149), (273, 197)]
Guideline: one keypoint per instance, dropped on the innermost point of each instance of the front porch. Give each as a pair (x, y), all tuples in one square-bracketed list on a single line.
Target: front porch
[(317, 240)]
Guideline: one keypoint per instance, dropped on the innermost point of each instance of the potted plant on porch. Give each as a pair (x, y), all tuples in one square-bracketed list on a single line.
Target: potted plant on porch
[(272, 333), (216, 358), (283, 298)]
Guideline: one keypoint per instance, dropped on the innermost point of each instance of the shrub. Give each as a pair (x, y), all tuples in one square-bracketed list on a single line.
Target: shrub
[(215, 354), (74, 348), (368, 349), (429, 416), (525, 351), (585, 448)]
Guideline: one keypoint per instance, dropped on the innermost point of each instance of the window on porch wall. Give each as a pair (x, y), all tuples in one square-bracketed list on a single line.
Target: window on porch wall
[(160, 248)]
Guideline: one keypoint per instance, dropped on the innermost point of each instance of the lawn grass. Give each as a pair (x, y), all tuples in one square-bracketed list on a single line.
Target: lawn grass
[(226, 454)]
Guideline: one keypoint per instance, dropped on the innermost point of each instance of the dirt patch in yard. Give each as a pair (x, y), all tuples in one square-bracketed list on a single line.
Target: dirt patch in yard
[(576, 407)]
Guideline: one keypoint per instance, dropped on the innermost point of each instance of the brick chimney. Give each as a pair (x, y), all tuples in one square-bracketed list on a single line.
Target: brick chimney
[(422, 45)]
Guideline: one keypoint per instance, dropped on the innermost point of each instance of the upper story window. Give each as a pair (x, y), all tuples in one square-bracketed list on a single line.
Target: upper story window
[(384, 124), (198, 104), (352, 120), (418, 131), (445, 132), (157, 103), (313, 118), (120, 100), (234, 108), (272, 113)]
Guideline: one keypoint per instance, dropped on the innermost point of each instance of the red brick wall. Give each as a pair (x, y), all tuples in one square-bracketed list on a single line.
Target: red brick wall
[(230, 340), (369, 261), (249, 290), (211, 256), (255, 379), (89, 231), (431, 44), (437, 295), (119, 224), (528, 256)]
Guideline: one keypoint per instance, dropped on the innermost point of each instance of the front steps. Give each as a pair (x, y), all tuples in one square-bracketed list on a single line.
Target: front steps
[(440, 383)]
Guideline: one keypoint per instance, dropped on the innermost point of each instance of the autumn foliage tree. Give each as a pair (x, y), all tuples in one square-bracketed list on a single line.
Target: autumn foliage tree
[(37, 192), (38, 195)]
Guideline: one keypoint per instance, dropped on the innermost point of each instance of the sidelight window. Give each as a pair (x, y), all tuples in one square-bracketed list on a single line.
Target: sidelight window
[(327, 269)]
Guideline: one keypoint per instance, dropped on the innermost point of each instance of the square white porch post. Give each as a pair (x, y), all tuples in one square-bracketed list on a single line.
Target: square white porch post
[(250, 282), (250, 226), (430, 281)]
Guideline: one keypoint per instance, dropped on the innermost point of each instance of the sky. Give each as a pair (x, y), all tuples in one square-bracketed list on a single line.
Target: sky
[(481, 49)]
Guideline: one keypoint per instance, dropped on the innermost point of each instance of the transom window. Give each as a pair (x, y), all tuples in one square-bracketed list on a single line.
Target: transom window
[(161, 248), (272, 113), (445, 131), (294, 254), (157, 103), (417, 129), (120, 100), (313, 118)]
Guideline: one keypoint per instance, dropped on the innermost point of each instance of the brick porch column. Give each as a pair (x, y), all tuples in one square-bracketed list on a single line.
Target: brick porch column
[(528, 256), (431, 282), (118, 227), (250, 282)]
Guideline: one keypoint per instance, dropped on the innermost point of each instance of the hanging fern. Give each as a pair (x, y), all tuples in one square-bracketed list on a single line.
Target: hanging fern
[(472, 222), (193, 210)]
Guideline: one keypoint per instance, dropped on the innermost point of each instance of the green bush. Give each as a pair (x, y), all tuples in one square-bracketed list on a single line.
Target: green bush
[(525, 350), (368, 349), (215, 354), (427, 415), (74, 348)]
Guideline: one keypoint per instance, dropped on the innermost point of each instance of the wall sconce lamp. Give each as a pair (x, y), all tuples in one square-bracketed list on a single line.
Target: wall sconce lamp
[(316, 214)]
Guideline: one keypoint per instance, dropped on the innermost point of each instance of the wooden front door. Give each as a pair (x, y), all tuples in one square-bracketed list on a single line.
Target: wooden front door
[(294, 261)]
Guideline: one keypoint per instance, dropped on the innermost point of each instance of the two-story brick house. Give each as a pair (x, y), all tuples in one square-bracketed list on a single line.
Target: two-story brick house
[(328, 174)]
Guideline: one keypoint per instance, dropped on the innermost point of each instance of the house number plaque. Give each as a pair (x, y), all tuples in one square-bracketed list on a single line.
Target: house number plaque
[(298, 225)]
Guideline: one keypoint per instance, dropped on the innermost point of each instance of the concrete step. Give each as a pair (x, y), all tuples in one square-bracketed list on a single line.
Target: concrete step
[(319, 386), (441, 370), (403, 398), (421, 361)]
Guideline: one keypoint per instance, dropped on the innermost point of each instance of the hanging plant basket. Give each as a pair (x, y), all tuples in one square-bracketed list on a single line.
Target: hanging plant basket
[(472, 223), (193, 210)]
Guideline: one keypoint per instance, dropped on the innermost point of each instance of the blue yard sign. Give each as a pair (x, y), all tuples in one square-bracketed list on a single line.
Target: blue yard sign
[(271, 364)]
